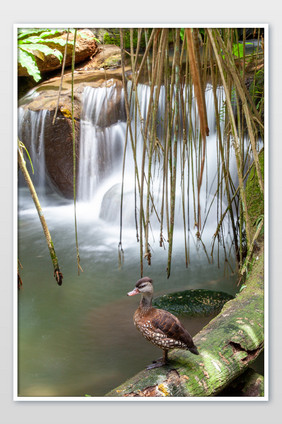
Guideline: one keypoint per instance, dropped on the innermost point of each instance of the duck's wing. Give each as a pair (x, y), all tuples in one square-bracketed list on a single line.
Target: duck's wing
[(166, 323)]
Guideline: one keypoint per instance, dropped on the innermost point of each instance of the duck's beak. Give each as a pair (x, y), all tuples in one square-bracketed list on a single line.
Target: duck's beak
[(133, 292)]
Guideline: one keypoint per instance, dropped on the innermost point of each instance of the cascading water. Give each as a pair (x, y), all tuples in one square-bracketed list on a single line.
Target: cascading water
[(31, 126), (101, 156), (100, 146)]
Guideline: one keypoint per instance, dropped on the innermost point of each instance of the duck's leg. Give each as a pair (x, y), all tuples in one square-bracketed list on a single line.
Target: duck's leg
[(159, 362)]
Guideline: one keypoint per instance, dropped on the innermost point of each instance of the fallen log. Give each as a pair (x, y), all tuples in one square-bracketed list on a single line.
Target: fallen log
[(250, 384), (227, 346)]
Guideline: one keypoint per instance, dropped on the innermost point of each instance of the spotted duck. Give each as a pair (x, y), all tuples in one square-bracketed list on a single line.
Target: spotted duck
[(158, 326)]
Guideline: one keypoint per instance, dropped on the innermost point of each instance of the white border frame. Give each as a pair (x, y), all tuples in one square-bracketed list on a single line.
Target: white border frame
[(266, 210)]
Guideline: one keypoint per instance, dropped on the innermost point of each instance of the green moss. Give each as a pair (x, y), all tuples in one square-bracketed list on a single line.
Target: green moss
[(228, 344), (193, 302), (112, 61), (113, 37), (255, 200)]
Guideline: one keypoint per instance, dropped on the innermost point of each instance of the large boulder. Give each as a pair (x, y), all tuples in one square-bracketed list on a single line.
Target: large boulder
[(108, 56), (86, 46)]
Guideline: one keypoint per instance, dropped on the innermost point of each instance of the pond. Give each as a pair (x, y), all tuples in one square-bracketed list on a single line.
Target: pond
[(79, 339)]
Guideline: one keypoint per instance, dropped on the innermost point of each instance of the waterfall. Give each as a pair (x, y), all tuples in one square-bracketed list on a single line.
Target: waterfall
[(103, 131), (31, 127), (101, 146), (101, 153)]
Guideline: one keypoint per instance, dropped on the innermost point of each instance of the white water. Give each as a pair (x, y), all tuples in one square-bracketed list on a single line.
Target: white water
[(101, 157), (31, 126)]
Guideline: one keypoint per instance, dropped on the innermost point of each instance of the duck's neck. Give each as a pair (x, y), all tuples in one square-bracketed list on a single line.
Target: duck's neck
[(146, 301)]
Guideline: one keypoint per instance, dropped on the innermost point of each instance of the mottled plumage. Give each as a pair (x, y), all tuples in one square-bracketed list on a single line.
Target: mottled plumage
[(158, 326)]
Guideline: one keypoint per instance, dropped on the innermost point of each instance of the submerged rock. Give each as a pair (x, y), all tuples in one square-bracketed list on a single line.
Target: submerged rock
[(194, 303)]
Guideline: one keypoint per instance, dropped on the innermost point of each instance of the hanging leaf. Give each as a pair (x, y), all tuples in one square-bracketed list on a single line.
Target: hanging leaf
[(23, 32), (46, 50), (42, 32), (27, 60), (37, 39), (49, 32)]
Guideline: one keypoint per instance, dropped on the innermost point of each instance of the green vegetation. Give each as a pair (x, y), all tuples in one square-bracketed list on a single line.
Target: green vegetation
[(180, 62), (113, 37), (228, 345), (193, 303), (255, 200), (172, 61), (36, 43), (33, 43)]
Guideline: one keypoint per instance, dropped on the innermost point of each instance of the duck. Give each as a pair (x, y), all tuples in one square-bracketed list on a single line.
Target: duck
[(160, 327)]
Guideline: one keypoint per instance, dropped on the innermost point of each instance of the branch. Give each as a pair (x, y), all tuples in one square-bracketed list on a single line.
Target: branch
[(57, 273)]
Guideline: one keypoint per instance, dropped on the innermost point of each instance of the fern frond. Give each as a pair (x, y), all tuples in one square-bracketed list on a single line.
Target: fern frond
[(27, 60), (46, 50)]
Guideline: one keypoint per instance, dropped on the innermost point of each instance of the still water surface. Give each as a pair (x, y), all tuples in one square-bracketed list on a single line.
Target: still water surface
[(79, 338)]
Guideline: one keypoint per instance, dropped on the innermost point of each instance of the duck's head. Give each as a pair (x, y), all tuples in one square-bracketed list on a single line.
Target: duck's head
[(143, 286)]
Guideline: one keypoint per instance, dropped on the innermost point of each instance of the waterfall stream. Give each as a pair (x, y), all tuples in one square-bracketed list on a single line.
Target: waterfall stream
[(102, 149)]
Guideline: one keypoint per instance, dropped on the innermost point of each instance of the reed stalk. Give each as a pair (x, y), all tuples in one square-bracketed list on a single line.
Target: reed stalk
[(57, 272), (154, 33), (139, 183), (183, 158), (234, 133), (226, 174), (158, 73), (79, 268), (193, 53), (175, 143), (62, 77), (239, 84)]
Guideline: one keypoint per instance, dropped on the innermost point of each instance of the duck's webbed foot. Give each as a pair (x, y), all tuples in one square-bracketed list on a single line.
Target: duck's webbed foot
[(159, 362), (156, 364)]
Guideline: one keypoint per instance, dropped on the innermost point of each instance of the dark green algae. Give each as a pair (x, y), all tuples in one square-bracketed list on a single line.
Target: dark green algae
[(193, 303)]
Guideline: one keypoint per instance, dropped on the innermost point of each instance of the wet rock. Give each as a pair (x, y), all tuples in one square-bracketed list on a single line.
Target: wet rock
[(107, 57), (58, 142), (59, 153)]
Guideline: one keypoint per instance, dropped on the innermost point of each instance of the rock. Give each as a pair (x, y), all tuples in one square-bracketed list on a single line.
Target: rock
[(193, 302), (58, 144), (86, 46), (59, 153), (104, 35), (107, 57)]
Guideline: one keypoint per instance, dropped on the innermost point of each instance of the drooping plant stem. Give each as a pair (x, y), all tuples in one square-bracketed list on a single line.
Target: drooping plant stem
[(225, 170), (235, 136), (62, 77), (57, 273), (74, 153), (193, 52), (174, 135), (175, 142), (229, 62)]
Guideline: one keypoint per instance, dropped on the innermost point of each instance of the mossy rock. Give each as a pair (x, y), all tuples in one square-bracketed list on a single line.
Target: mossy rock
[(113, 61), (254, 197), (193, 303), (112, 36)]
